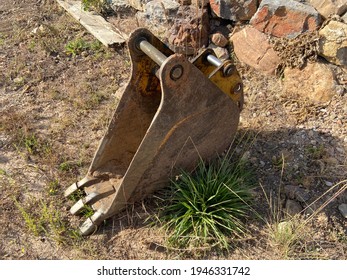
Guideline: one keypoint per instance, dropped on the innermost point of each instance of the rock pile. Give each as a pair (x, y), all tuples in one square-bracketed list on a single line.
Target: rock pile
[(304, 40)]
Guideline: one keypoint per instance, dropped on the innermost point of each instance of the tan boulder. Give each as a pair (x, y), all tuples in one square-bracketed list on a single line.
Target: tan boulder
[(316, 82), (329, 7), (252, 47), (333, 42)]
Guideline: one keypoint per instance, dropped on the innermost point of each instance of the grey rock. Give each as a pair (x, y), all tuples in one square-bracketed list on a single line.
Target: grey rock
[(161, 10), (297, 193), (292, 207), (123, 5), (158, 16), (235, 10), (328, 183)]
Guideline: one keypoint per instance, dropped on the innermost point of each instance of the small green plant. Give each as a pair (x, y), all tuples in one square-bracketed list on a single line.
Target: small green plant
[(96, 46), (28, 218), (69, 166), (316, 152), (31, 144), (76, 47), (53, 187), (65, 166), (87, 211), (45, 219), (32, 46), (2, 39), (97, 5), (79, 45), (208, 206)]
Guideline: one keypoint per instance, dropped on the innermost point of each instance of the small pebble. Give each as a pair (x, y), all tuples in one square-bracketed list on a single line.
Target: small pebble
[(343, 210), (329, 184)]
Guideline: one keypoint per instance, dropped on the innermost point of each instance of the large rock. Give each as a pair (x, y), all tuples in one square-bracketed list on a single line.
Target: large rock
[(329, 7), (235, 10), (252, 47), (190, 30), (333, 42), (158, 16), (161, 10), (285, 18), (316, 82)]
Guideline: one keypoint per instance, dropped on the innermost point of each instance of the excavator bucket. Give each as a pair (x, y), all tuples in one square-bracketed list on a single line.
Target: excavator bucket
[(172, 113)]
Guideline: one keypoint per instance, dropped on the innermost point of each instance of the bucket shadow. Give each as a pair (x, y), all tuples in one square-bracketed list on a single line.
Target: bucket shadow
[(282, 160)]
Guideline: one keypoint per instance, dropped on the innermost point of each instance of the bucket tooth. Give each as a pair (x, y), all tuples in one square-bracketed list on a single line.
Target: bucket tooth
[(80, 185), (172, 114), (79, 205), (89, 226), (96, 195)]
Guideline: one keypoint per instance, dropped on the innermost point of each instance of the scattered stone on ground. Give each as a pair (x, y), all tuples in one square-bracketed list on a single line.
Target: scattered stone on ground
[(316, 82), (252, 47), (298, 193), (343, 210), (333, 42), (285, 18)]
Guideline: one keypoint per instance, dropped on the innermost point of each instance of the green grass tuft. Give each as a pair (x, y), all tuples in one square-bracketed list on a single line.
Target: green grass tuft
[(208, 206)]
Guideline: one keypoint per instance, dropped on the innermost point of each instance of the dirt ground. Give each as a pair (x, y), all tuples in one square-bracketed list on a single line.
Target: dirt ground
[(58, 89)]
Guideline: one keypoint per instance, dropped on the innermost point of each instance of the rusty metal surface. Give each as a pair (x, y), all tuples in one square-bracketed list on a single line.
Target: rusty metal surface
[(167, 119)]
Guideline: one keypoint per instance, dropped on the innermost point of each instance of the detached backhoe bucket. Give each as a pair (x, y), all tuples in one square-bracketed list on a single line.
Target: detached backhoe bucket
[(172, 113)]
